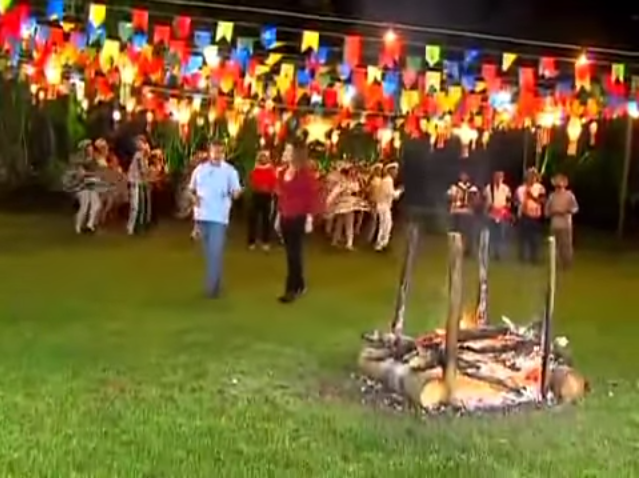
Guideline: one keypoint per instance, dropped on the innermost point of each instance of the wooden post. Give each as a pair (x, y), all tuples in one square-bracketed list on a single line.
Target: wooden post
[(455, 261), (524, 161), (623, 187), (483, 257), (549, 309), (410, 256)]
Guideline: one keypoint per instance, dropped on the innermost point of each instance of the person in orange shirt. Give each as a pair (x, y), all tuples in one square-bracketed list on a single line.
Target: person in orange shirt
[(262, 182)]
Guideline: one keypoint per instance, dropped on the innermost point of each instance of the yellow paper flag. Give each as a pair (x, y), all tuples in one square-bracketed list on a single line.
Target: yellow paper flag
[(507, 60), (283, 84), (259, 89), (227, 84), (97, 14), (432, 54), (224, 31), (68, 26), (310, 41), (262, 70), (287, 70), (455, 94), (110, 54), (272, 59), (433, 81), (480, 86), (409, 100), (373, 74)]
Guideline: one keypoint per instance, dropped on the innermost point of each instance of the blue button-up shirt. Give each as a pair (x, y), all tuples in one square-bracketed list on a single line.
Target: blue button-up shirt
[(214, 185)]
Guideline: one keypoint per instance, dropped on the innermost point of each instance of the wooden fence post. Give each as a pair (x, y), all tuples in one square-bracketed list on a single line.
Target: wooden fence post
[(455, 285)]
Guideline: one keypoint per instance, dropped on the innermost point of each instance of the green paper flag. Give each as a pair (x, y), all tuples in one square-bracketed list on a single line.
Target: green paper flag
[(324, 80), (414, 63), (125, 31), (618, 72), (244, 43), (634, 84), (433, 54)]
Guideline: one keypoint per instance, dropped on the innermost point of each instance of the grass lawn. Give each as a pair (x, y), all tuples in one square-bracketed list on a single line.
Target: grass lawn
[(111, 365)]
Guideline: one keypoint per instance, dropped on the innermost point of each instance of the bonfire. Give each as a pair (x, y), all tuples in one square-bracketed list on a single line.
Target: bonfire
[(472, 365)]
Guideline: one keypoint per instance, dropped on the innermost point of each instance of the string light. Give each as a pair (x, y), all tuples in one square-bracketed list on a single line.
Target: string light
[(390, 36)]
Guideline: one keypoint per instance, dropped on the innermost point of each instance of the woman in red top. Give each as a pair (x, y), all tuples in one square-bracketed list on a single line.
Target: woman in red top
[(298, 202), (262, 182)]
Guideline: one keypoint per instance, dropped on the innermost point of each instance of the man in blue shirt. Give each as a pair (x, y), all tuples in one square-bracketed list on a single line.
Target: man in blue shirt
[(214, 185)]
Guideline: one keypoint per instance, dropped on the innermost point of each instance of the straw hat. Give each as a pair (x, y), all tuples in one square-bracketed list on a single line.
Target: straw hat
[(84, 144), (391, 166), (377, 167)]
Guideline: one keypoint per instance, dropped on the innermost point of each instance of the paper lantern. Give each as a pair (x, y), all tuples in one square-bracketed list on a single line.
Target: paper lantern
[(53, 72), (574, 132), (468, 137)]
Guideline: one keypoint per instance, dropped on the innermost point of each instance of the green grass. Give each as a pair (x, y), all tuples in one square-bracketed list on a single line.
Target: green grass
[(112, 366)]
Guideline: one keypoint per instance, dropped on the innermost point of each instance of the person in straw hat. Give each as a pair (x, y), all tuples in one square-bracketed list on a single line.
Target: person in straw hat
[(386, 195), (138, 178), (560, 208), (374, 184)]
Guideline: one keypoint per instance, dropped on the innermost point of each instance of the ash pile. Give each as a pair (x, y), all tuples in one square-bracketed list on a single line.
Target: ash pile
[(471, 365)]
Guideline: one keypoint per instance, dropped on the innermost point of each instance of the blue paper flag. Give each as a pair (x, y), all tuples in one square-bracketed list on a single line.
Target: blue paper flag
[(193, 65), (241, 56), (79, 40), (96, 34), (202, 39), (564, 87), (344, 71), (43, 33), (268, 37), (390, 83), (321, 56), (16, 51), (468, 82), (470, 56), (303, 78), (500, 100), (139, 40), (55, 9), (451, 69)]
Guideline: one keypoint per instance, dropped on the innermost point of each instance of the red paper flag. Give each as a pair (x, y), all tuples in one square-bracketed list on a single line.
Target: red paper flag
[(330, 97), (161, 34), (489, 72), (359, 79), (56, 36), (527, 78), (179, 48), (352, 50), (582, 75), (547, 67), (140, 19), (391, 51), (182, 27)]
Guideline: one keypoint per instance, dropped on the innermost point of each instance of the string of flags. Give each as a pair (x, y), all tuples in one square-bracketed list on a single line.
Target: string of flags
[(225, 69)]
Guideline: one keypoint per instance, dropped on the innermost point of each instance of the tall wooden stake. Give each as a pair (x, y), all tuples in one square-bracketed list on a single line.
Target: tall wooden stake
[(455, 261), (524, 160), (623, 189), (483, 257), (410, 256), (549, 309)]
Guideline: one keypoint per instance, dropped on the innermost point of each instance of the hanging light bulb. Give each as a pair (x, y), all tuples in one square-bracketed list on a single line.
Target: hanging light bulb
[(117, 116), (467, 136), (574, 132)]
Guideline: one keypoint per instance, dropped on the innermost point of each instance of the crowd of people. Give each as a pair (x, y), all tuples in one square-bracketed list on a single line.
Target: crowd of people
[(288, 196)]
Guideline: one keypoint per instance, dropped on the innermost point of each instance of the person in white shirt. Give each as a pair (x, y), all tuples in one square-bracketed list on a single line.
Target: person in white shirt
[(498, 199), (214, 185), (530, 209), (386, 194), (463, 197)]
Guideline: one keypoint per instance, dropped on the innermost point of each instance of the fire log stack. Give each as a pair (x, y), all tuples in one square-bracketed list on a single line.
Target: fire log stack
[(472, 365)]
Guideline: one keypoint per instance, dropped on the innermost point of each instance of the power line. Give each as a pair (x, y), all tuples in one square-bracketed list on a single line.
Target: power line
[(400, 26), (332, 34)]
